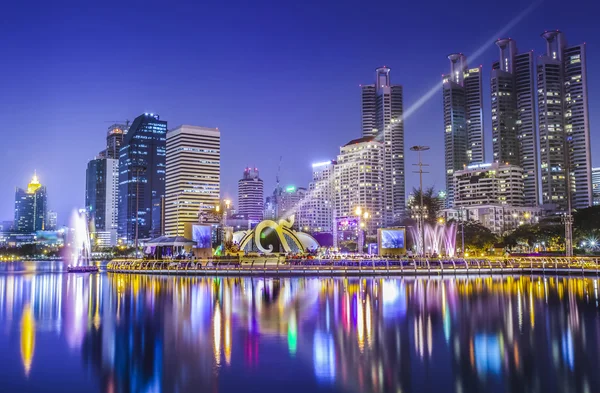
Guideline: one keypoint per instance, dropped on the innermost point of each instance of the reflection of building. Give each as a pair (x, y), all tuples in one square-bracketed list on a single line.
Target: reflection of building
[(382, 119), (142, 163), (30, 207), (251, 195), (359, 181), (463, 118), (101, 200), (497, 218), (563, 113), (596, 186), (193, 175), (489, 184)]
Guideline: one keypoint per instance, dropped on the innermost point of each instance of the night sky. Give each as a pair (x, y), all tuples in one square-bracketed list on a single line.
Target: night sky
[(277, 78)]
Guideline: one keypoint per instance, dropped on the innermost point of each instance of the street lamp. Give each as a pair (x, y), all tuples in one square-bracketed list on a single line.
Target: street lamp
[(362, 226), (419, 149)]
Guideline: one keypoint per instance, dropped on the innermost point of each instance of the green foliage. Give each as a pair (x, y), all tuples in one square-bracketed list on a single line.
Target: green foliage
[(431, 201), (478, 238)]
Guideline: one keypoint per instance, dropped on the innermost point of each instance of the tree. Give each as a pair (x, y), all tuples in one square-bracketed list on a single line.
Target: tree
[(478, 238), (431, 202)]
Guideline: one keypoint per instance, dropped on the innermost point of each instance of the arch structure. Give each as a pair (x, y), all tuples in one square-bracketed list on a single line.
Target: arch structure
[(270, 237)]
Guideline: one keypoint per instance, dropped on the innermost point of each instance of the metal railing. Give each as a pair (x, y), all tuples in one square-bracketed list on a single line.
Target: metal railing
[(375, 266)]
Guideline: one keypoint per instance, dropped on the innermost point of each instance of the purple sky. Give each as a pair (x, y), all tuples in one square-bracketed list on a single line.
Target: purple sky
[(277, 78)]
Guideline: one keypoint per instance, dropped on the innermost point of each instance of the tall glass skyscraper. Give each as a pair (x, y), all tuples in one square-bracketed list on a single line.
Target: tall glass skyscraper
[(564, 124), (101, 195), (30, 207), (382, 118), (142, 165), (463, 119), (513, 114)]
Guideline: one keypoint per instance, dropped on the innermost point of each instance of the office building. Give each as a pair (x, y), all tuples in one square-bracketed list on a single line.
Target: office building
[(564, 123), (463, 119), (251, 195), (114, 139), (30, 207), (500, 219), (382, 118), (319, 204), (51, 221), (489, 184), (193, 175), (358, 181), (142, 166), (101, 198), (596, 186), (270, 211), (514, 138), (290, 202)]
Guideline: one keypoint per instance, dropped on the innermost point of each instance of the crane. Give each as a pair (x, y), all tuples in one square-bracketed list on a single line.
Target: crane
[(278, 171)]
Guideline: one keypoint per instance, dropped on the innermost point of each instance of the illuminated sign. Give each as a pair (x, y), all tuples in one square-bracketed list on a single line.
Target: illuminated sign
[(290, 189)]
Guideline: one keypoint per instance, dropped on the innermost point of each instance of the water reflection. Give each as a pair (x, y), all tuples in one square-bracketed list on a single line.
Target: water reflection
[(175, 334)]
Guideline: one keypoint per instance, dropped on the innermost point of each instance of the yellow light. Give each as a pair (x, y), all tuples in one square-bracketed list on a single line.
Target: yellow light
[(441, 220), (366, 215), (358, 211), (227, 202), (218, 208)]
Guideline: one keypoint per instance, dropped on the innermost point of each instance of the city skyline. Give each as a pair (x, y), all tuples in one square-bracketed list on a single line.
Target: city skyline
[(62, 168)]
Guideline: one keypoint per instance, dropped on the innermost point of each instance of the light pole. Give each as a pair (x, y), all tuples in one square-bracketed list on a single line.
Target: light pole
[(361, 230), (419, 149)]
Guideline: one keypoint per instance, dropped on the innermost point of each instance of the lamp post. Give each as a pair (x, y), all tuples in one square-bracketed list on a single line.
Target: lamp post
[(361, 229), (419, 149)]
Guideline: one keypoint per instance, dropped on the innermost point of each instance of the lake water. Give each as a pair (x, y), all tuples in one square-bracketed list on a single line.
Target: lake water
[(132, 333)]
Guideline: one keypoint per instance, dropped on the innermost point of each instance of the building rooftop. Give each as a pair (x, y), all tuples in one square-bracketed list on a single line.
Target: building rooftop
[(360, 140)]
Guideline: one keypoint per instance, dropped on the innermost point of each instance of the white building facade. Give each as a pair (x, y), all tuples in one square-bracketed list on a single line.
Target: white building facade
[(485, 184)]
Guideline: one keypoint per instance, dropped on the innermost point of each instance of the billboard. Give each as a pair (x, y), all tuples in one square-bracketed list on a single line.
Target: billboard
[(201, 234), (391, 241)]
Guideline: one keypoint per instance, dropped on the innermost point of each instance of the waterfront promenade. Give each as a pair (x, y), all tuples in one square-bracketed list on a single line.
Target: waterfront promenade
[(360, 267)]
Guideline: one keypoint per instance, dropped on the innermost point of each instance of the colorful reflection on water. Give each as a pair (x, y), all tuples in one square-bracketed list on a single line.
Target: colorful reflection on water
[(134, 333)]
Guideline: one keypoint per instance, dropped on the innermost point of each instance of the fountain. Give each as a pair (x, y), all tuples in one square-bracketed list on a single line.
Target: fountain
[(81, 249), (439, 239)]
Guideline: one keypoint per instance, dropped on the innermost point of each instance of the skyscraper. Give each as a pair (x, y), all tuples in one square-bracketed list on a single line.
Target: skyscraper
[(513, 114), (319, 204), (142, 164), (193, 175), (564, 124), (251, 195), (51, 221), (358, 180), (463, 119), (596, 186), (101, 196), (30, 207), (114, 139), (382, 118)]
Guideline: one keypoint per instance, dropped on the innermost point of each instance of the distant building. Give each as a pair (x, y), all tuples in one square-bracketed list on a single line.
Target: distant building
[(318, 208), (114, 139), (52, 221), (6, 226), (30, 207), (251, 195), (101, 198), (382, 118), (358, 181), (193, 175), (271, 211), (290, 203), (499, 219), (463, 119), (142, 166), (596, 186), (564, 119), (489, 184)]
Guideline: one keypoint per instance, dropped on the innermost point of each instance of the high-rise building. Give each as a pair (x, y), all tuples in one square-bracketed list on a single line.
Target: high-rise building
[(289, 202), (142, 165), (463, 119), (513, 114), (193, 175), (51, 221), (251, 195), (489, 184), (30, 207), (114, 139), (382, 118), (101, 197), (596, 186), (319, 202), (564, 123), (358, 181), (270, 211)]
